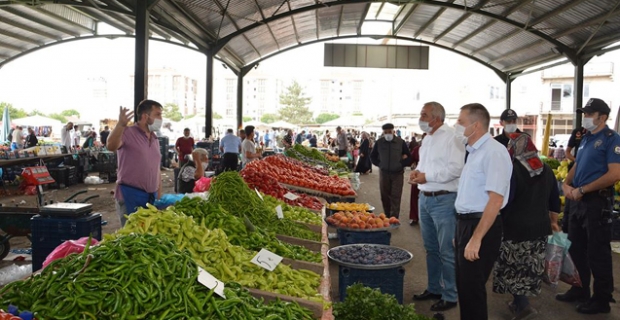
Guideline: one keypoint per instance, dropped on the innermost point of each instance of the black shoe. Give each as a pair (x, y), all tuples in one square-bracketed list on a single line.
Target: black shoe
[(413, 222), (426, 296), (572, 296), (443, 305), (593, 307)]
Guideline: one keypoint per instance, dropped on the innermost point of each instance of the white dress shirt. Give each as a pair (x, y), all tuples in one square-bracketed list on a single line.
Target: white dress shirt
[(488, 168), (66, 138), (441, 160)]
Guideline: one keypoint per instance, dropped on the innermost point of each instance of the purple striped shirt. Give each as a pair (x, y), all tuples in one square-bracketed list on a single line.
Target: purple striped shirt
[(139, 160)]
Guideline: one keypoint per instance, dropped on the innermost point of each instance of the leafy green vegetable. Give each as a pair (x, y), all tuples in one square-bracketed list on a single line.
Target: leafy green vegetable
[(553, 163), (364, 303)]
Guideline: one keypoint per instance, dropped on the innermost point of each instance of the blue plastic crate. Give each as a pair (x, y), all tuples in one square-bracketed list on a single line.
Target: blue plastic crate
[(389, 281), (353, 237)]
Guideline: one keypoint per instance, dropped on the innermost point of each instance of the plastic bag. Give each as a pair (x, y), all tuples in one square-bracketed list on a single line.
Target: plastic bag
[(30, 190), (167, 200), (569, 272), (68, 247), (93, 180), (203, 184), (557, 248)]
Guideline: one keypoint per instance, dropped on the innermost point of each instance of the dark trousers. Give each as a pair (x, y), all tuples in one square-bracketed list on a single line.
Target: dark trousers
[(589, 230), (566, 218), (413, 204), (391, 187), (471, 277), (230, 162), (342, 153)]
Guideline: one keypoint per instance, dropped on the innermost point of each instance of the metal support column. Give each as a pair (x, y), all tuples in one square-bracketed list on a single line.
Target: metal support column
[(240, 99), (209, 102), (508, 91), (141, 55), (578, 90)]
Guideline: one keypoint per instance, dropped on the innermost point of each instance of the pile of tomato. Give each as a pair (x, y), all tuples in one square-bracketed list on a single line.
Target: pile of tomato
[(270, 186), (290, 172), (9, 316)]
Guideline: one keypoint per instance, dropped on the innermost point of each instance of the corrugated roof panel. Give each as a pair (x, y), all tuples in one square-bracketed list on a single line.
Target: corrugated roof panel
[(328, 21), (272, 6), (497, 7), (70, 14), (513, 57), (419, 18), (296, 4), (42, 21), (351, 18), (33, 26), (240, 47), (535, 9), (442, 22), (244, 12), (306, 26), (499, 30), (261, 38), (284, 32), (519, 40), (32, 37)]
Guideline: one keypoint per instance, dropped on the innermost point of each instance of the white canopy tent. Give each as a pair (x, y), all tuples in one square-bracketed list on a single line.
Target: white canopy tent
[(282, 124), (346, 122)]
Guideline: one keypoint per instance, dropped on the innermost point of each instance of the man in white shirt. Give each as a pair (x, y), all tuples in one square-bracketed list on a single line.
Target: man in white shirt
[(248, 149), (437, 176), (66, 136), (76, 136), (484, 187), (18, 138)]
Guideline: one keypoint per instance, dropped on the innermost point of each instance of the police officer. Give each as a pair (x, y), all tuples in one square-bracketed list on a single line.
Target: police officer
[(589, 185), (508, 120), (571, 154)]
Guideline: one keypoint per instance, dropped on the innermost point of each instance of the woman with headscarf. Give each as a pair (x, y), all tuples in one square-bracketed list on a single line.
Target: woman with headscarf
[(363, 164), (528, 218)]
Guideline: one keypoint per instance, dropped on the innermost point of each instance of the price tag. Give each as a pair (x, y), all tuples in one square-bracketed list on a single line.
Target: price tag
[(259, 195), (291, 196), (279, 212), (211, 282), (267, 259)]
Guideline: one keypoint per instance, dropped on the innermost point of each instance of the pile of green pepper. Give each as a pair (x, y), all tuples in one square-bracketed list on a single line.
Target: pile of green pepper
[(233, 194), (212, 251), (298, 214), (135, 277), (213, 216)]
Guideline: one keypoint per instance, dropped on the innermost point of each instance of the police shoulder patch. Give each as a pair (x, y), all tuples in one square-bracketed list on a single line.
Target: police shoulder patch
[(617, 150)]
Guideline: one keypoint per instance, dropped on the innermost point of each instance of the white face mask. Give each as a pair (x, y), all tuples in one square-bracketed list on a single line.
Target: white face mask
[(204, 165), (460, 132), (389, 137), (510, 128), (156, 125), (425, 126), (589, 124)]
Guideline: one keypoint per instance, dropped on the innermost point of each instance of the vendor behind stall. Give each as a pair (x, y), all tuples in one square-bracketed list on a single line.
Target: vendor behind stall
[(193, 170), (139, 158)]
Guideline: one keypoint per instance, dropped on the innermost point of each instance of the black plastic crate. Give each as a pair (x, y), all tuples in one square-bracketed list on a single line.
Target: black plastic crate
[(374, 237), (47, 231), (389, 281), (60, 177)]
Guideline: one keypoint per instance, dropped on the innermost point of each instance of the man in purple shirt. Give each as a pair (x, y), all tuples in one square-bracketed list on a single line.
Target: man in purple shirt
[(139, 177)]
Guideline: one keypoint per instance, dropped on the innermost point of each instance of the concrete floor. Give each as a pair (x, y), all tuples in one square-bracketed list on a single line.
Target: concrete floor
[(409, 237)]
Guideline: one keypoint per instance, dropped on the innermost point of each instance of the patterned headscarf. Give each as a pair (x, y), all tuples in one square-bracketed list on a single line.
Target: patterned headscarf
[(523, 149)]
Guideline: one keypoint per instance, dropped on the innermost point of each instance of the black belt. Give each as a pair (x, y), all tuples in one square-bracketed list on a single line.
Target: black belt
[(236, 154), (435, 193), (469, 216)]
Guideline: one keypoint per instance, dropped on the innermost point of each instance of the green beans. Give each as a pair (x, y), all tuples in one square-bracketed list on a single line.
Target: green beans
[(232, 193), (160, 294)]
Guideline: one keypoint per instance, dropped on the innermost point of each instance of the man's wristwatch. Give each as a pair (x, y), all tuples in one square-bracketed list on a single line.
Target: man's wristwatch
[(581, 190)]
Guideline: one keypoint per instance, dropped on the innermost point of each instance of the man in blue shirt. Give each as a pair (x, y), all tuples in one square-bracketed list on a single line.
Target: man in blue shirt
[(589, 186), (483, 191), (300, 137), (267, 138), (230, 146)]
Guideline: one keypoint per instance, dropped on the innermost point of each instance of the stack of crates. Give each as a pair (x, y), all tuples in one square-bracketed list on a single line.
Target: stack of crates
[(164, 144), (389, 281), (48, 233), (60, 177)]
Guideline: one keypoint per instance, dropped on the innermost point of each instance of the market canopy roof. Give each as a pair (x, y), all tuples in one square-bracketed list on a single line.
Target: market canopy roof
[(37, 121), (353, 121), (508, 36)]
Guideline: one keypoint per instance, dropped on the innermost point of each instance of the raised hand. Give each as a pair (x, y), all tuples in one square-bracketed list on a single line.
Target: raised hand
[(124, 116)]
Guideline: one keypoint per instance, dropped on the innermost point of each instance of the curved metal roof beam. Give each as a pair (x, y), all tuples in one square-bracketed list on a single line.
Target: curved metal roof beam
[(223, 41), (109, 36), (499, 72)]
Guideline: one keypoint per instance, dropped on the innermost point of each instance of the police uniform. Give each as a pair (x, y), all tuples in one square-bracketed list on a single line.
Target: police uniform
[(590, 218)]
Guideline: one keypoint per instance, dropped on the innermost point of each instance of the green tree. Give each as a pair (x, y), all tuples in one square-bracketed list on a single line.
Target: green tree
[(58, 117), (14, 113), (269, 118), (70, 112), (357, 114), (36, 112), (325, 117), (294, 104), (172, 112), (217, 115), (189, 116), (246, 118)]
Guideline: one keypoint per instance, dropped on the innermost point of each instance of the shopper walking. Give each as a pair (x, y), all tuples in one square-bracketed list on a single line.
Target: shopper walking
[(230, 147), (589, 186), (248, 148), (193, 170), (287, 141), (391, 155), (299, 139), (483, 191), (103, 135), (184, 146), (363, 164), (437, 176), (139, 158), (18, 138), (66, 136), (528, 218), (31, 139), (341, 140), (267, 139), (77, 136)]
